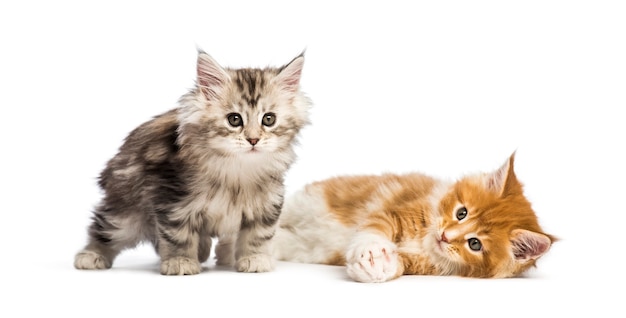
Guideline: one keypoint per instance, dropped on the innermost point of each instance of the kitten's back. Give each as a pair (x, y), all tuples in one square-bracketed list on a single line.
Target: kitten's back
[(318, 222)]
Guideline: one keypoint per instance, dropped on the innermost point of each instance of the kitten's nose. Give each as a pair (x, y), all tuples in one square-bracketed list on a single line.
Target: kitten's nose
[(253, 141), (443, 237)]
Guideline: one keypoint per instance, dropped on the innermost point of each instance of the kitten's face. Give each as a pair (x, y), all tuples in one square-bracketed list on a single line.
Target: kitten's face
[(246, 113), (256, 116), (487, 227)]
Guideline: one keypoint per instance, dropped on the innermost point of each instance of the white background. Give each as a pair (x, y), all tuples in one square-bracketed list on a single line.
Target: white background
[(442, 87)]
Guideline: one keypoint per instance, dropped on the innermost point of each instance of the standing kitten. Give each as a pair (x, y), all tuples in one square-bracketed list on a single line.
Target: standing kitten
[(382, 227), (213, 167)]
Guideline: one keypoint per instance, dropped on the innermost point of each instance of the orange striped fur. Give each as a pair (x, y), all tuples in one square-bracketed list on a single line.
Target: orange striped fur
[(389, 225)]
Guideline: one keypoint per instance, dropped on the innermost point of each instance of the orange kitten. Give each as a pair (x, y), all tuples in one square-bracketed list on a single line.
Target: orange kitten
[(385, 226)]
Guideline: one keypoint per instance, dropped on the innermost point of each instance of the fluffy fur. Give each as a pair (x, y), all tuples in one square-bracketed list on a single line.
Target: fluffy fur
[(213, 167), (385, 226)]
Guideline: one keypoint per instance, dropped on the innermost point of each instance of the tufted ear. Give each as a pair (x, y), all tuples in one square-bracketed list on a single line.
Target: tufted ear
[(528, 245), (503, 181), (289, 76), (211, 76)]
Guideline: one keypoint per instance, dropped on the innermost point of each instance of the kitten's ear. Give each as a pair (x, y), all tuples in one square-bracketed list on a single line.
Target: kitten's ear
[(528, 245), (211, 76), (503, 181), (289, 75)]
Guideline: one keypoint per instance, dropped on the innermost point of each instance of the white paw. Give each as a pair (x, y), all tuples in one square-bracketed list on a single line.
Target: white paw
[(180, 266), (255, 264), (372, 261), (91, 260)]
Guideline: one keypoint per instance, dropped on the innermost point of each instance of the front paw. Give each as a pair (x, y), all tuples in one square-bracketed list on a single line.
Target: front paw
[(372, 261), (91, 260), (180, 266), (255, 264)]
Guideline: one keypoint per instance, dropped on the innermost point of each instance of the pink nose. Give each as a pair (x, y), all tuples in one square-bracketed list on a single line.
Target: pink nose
[(253, 141), (443, 237)]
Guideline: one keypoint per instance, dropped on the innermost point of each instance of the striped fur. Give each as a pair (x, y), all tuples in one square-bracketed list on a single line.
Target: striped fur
[(381, 227), (190, 175)]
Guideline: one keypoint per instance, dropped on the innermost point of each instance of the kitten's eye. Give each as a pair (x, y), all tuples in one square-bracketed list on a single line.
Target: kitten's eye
[(269, 119), (474, 244), (235, 120), (461, 213)]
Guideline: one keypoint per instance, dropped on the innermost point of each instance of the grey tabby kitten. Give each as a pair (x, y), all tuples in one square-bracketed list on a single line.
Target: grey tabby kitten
[(213, 167)]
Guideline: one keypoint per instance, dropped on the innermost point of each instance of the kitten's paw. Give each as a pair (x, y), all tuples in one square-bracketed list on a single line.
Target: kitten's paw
[(91, 260), (255, 264), (180, 266), (372, 262)]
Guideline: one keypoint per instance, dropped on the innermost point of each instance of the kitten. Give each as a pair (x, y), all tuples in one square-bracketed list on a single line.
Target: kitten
[(385, 226), (214, 167)]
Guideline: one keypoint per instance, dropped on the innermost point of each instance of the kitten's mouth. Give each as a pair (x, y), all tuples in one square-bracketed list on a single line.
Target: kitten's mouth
[(439, 243), (442, 241)]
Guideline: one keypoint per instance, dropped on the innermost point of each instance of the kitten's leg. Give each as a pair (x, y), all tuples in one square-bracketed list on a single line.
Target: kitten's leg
[(372, 258), (204, 248), (252, 253), (178, 245), (106, 240), (253, 250), (225, 250)]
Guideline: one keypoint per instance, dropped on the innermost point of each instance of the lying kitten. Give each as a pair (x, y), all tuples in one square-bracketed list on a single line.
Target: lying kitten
[(382, 227), (213, 167)]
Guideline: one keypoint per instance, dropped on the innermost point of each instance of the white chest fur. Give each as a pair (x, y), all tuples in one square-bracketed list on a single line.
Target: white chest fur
[(230, 192)]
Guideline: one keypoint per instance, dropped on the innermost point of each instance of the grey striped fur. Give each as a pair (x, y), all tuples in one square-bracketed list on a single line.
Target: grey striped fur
[(189, 175)]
